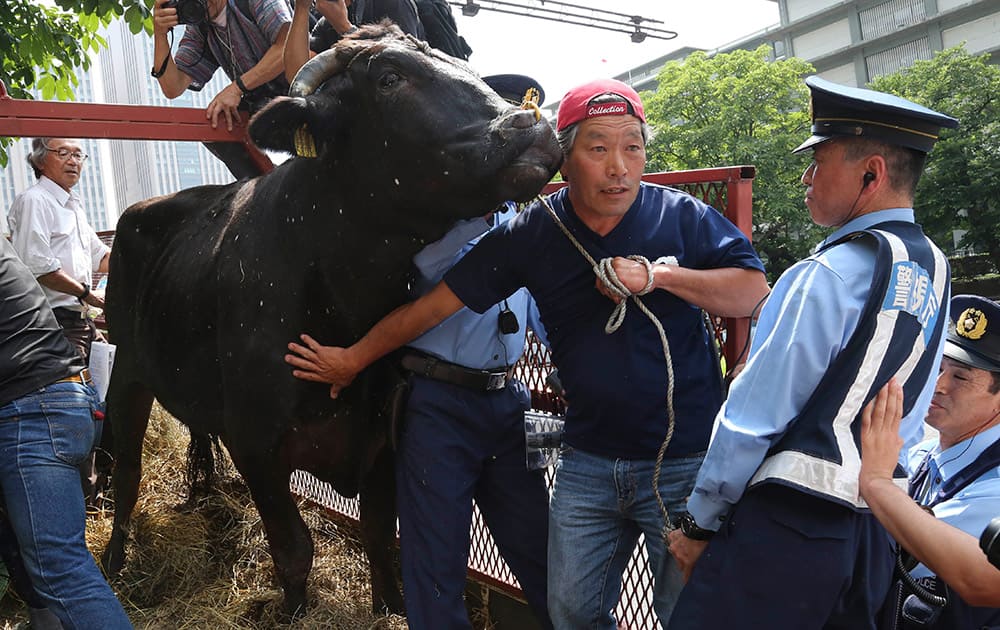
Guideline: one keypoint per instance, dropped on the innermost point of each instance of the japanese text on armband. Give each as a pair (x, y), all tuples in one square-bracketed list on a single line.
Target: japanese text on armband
[(911, 290)]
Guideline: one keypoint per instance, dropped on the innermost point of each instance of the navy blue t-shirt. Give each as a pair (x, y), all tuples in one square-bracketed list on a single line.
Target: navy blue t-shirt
[(616, 384)]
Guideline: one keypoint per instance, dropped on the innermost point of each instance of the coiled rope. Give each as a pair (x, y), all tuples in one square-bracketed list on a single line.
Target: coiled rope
[(606, 273)]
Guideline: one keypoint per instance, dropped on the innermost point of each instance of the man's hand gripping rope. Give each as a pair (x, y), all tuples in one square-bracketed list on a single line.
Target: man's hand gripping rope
[(610, 284)]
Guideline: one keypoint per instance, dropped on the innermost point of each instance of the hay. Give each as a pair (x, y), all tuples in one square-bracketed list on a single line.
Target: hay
[(209, 567)]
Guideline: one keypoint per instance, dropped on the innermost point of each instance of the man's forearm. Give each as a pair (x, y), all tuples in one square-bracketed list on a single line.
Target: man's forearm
[(269, 66), (404, 324), (727, 292), (296, 51), (952, 554), (173, 81), (59, 281)]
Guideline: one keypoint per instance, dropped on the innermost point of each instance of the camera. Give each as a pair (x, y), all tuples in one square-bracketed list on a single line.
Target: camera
[(189, 11), (990, 542)]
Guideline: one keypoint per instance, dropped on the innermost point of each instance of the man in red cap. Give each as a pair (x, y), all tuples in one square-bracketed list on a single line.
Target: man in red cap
[(619, 412)]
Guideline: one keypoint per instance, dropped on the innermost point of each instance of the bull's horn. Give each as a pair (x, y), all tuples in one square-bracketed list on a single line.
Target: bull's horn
[(314, 73)]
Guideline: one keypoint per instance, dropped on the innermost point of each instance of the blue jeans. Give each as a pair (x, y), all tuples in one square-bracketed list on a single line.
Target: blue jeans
[(599, 507), (43, 436)]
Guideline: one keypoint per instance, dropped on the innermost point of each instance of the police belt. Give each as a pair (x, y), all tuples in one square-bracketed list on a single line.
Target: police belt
[(439, 370)]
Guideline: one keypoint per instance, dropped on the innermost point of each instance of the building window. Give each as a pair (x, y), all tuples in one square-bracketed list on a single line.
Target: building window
[(778, 49), (888, 17), (893, 59)]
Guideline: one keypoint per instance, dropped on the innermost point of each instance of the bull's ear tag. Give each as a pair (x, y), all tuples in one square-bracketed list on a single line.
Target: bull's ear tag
[(304, 144)]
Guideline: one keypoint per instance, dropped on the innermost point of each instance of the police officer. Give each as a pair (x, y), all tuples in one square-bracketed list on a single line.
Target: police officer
[(954, 488), (776, 518), (463, 438)]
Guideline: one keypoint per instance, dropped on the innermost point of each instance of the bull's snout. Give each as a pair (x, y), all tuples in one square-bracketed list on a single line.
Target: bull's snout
[(521, 119)]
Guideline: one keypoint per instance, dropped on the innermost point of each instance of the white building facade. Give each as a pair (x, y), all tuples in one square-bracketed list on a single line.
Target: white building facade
[(853, 42)]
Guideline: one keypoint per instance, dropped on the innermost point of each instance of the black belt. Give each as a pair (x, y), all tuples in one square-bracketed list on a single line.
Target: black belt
[(434, 368), (82, 377)]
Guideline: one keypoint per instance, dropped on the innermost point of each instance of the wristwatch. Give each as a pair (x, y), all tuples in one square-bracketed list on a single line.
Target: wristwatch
[(690, 529)]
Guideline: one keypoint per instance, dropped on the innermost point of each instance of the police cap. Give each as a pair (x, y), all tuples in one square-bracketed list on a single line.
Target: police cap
[(974, 339), (842, 111), (512, 87)]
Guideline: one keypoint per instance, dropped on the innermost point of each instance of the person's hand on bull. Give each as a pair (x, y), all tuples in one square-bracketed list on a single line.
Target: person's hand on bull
[(322, 364)]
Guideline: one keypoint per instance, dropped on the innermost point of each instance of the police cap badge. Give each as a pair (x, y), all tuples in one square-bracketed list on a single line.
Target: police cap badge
[(974, 339)]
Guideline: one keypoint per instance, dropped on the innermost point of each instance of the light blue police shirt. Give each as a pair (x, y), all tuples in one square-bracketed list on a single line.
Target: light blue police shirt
[(971, 509), (468, 338), (810, 316)]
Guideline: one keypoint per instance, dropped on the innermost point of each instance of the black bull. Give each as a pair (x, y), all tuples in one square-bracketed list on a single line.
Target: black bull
[(208, 285)]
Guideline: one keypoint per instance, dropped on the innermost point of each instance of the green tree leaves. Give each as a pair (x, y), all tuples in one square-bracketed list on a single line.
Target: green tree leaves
[(740, 108), (960, 188)]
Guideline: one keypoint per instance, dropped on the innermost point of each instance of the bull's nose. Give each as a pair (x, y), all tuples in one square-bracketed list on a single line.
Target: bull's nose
[(521, 119)]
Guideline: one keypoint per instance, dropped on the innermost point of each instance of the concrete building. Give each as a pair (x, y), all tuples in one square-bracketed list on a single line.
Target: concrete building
[(853, 41)]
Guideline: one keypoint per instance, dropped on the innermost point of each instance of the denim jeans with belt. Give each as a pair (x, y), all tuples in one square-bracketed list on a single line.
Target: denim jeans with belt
[(599, 507), (43, 436)]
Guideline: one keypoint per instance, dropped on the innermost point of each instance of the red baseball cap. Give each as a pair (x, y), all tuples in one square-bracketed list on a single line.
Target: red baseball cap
[(575, 106)]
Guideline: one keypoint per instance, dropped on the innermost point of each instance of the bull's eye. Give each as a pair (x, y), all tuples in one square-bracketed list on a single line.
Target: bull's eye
[(388, 80)]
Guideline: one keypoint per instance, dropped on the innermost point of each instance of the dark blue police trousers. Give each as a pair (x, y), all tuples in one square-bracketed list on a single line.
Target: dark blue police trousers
[(788, 560), (460, 445)]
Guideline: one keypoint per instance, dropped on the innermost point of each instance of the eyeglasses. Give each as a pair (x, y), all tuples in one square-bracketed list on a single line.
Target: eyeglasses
[(65, 154)]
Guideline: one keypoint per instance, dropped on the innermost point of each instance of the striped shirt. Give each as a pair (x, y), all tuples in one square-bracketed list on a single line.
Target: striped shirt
[(237, 46)]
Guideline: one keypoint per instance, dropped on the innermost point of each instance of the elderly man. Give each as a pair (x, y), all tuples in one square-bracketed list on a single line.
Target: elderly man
[(619, 415), (790, 542), (954, 488), (51, 234)]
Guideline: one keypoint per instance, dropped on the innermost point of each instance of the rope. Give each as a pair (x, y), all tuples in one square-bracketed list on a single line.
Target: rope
[(606, 273)]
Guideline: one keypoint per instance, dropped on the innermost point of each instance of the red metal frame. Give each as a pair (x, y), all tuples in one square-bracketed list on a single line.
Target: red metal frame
[(25, 118)]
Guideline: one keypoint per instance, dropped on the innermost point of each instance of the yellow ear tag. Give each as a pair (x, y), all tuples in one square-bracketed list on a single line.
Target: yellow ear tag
[(304, 144), (530, 101)]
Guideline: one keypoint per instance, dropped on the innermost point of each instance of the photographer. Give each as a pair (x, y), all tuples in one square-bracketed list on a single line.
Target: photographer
[(340, 18), (243, 37), (954, 487)]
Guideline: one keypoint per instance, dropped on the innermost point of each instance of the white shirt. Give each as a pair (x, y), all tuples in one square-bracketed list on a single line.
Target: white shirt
[(50, 231)]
